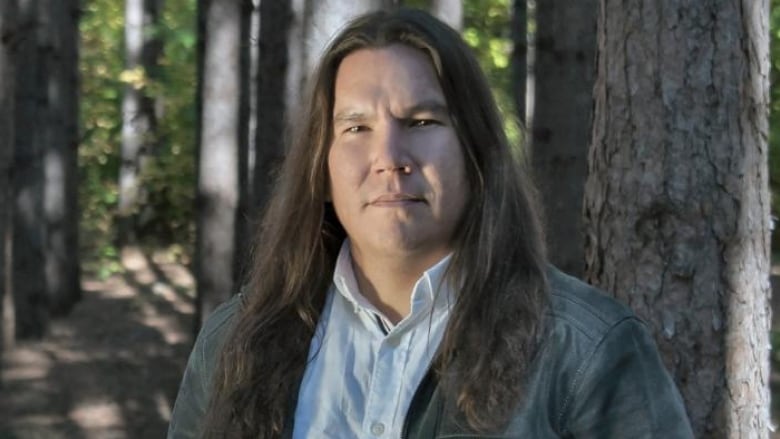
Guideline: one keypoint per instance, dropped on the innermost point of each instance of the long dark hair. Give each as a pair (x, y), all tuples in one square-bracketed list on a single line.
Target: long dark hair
[(498, 257)]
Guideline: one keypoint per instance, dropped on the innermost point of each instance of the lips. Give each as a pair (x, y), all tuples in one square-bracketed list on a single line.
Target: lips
[(396, 199)]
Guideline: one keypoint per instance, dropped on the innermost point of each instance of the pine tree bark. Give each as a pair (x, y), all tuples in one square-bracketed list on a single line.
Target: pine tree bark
[(217, 196), (677, 205), (8, 39), (59, 42), (564, 76), (30, 298), (139, 119)]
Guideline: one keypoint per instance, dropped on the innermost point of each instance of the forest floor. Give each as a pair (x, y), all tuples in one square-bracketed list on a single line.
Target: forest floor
[(111, 368)]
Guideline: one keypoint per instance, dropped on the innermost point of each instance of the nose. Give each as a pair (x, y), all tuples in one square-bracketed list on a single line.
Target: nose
[(390, 154)]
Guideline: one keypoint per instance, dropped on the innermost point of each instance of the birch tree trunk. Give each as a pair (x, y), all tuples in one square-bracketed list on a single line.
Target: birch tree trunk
[(139, 120), (677, 205), (564, 72), (8, 39), (59, 41), (217, 197)]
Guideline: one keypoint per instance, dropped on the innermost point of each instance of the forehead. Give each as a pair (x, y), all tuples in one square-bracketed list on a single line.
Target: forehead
[(396, 74)]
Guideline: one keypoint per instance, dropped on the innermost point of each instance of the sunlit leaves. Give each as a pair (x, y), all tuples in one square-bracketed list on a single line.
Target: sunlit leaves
[(103, 79)]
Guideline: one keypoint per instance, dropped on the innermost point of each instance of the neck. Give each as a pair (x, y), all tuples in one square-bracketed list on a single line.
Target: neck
[(387, 282)]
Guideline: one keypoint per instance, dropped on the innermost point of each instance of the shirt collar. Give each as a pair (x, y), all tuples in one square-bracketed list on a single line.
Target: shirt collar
[(431, 288)]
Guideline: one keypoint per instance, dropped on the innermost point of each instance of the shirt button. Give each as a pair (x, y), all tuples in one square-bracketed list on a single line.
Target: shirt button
[(377, 428)]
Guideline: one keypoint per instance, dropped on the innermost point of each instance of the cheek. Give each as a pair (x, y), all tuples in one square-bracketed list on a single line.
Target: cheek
[(343, 175)]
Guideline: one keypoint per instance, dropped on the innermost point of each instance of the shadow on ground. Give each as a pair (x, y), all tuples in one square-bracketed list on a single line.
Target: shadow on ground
[(111, 368)]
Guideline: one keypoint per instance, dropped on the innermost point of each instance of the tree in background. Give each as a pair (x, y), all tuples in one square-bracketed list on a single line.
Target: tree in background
[(28, 256), (45, 273), (139, 110), (8, 40), (676, 203), (58, 39), (449, 11), (171, 171), (217, 191), (519, 61), (565, 51)]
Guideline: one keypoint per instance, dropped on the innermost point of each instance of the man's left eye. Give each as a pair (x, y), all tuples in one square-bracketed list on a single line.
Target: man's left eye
[(416, 123)]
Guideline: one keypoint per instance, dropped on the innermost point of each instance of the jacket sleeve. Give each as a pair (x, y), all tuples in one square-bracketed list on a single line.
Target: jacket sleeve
[(624, 390), (194, 390)]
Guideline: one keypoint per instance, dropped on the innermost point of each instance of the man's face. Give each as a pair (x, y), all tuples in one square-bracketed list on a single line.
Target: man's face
[(397, 174)]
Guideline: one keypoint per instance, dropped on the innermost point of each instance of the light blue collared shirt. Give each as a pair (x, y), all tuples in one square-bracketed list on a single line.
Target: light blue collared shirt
[(362, 374)]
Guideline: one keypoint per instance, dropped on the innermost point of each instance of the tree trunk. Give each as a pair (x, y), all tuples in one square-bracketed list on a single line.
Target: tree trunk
[(449, 11), (519, 62), (677, 205), (324, 18), (139, 119), (8, 40), (248, 114), (280, 64), (564, 72), (217, 196), (29, 230), (59, 40)]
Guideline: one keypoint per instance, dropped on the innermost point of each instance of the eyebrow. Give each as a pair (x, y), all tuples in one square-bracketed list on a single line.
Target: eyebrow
[(435, 106)]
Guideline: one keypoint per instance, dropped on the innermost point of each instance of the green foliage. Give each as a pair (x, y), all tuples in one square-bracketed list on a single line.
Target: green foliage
[(169, 179), (101, 29), (487, 29)]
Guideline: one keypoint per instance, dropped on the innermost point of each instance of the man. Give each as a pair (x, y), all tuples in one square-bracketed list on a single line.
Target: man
[(402, 289)]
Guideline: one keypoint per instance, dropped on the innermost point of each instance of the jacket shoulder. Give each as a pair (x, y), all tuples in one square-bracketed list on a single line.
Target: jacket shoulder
[(583, 307), (195, 387), (219, 323)]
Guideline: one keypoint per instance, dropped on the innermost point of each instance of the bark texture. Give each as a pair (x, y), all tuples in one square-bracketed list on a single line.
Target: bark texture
[(564, 72), (217, 197), (59, 42), (8, 38), (139, 115), (677, 205)]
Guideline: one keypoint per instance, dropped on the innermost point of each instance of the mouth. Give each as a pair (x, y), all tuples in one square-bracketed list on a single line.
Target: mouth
[(396, 200)]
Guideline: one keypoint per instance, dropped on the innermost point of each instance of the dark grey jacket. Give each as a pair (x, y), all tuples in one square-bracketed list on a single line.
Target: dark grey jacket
[(597, 375)]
